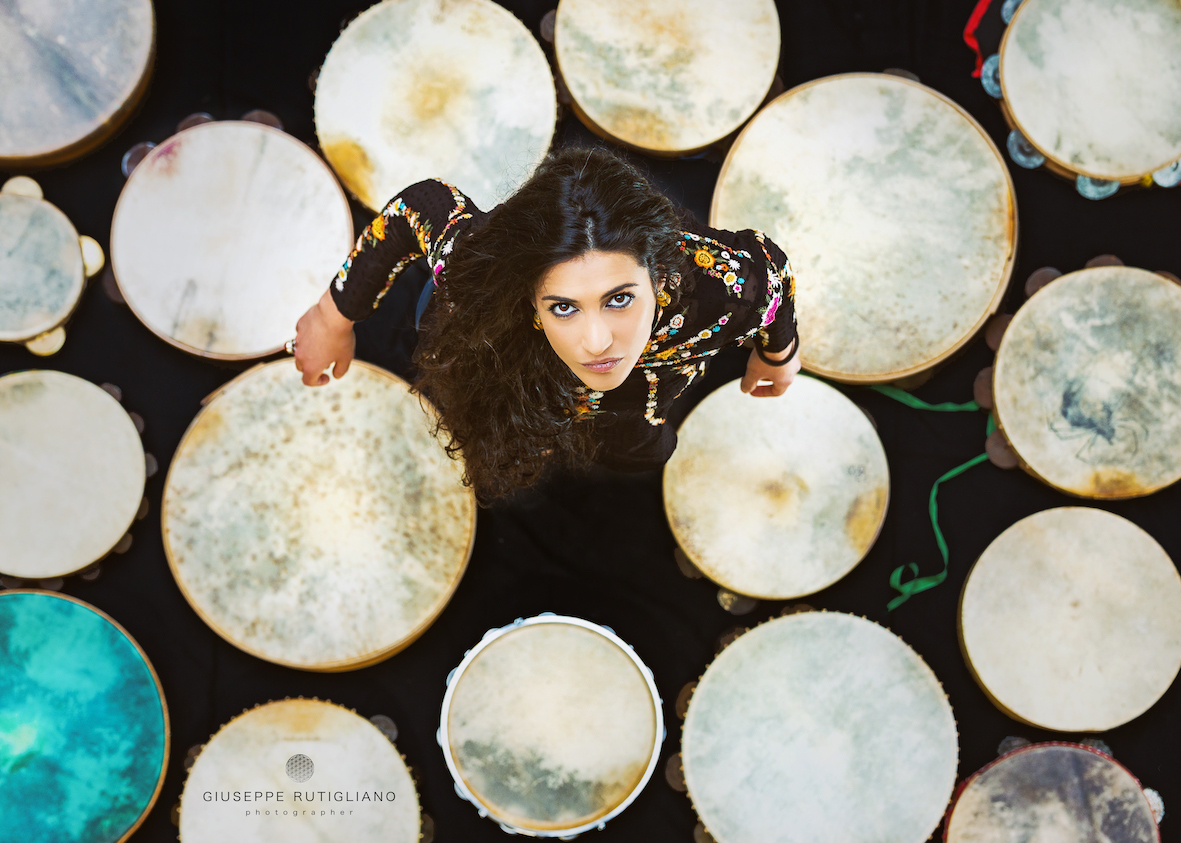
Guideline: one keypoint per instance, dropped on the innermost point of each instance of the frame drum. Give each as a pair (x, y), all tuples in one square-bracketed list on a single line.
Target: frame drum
[(802, 497), (1095, 86), (819, 727), (1087, 383), (225, 234), (42, 274), (73, 473), (551, 726), (1049, 792), (1071, 620), (323, 529), (85, 724), (670, 77), (898, 213), (417, 89), (71, 73), (299, 771)]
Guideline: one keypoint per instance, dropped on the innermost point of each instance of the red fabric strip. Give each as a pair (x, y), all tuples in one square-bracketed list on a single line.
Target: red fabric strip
[(970, 33)]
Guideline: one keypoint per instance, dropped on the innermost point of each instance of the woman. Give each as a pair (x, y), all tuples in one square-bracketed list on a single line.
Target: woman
[(560, 327)]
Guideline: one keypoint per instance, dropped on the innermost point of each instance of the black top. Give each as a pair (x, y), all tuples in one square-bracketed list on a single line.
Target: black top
[(743, 288)]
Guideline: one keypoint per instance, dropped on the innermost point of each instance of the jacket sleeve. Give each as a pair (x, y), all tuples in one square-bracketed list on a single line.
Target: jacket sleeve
[(411, 226), (778, 330)]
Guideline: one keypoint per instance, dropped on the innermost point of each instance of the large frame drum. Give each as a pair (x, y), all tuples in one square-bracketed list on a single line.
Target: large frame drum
[(86, 733), (73, 472), (897, 211), (800, 501), (71, 73), (1052, 791), (551, 726), (322, 529), (320, 772), (1071, 620), (668, 77), (817, 727), (1093, 90), (1087, 383), (225, 234), (417, 89)]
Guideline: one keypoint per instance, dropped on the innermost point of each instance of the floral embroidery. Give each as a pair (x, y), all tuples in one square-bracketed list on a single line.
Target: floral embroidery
[(703, 258), (586, 403), (650, 406)]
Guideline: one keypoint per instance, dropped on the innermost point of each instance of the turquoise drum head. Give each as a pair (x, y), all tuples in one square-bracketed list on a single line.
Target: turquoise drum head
[(83, 723)]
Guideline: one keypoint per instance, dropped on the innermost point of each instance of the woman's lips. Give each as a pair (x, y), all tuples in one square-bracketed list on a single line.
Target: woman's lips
[(601, 366)]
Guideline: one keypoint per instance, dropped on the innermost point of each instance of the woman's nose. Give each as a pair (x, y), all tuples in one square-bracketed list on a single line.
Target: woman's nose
[(596, 339)]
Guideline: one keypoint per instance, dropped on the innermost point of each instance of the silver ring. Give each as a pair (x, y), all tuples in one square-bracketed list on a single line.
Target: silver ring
[(290, 346)]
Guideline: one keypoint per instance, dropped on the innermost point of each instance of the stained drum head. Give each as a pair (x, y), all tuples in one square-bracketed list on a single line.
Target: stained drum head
[(1095, 86), (802, 497), (552, 725), (84, 719), (225, 234), (819, 727), (897, 212), (415, 89), (73, 469), (70, 73), (324, 528), (1087, 383), (667, 76), (1050, 792), (1071, 620), (41, 272), (320, 758)]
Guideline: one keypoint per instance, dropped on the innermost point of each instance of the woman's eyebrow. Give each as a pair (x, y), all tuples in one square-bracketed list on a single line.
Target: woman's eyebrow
[(614, 291)]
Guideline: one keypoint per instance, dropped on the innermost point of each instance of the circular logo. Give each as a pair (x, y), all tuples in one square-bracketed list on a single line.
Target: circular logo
[(300, 768)]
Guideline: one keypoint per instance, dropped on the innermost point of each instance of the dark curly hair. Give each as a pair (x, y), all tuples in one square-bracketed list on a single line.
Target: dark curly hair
[(506, 401)]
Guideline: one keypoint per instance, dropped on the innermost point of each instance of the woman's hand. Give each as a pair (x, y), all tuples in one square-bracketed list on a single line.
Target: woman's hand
[(762, 380), (323, 337)]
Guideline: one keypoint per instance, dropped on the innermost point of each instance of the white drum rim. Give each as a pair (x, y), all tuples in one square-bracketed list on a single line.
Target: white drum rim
[(1011, 118), (703, 568), (104, 131), (251, 711), (356, 662), (996, 369), (155, 679), (963, 644), (142, 472), (76, 289), (962, 789), (599, 130), (470, 656), (1014, 228), (130, 300)]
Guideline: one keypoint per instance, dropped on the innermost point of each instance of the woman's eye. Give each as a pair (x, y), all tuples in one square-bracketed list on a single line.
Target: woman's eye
[(562, 309), (620, 300)]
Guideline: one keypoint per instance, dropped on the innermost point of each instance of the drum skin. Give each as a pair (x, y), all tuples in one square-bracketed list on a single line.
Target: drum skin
[(1071, 620), (669, 77), (800, 501), (73, 469), (323, 529), (897, 212), (71, 73), (417, 89), (41, 271), (1087, 383), (1095, 86), (348, 755), (1050, 792), (84, 719), (551, 726), (225, 234), (818, 727)]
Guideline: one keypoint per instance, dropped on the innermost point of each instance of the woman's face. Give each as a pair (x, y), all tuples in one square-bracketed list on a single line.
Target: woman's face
[(597, 313)]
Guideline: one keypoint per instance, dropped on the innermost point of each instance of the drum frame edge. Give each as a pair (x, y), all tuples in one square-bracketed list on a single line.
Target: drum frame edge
[(155, 678), (341, 665)]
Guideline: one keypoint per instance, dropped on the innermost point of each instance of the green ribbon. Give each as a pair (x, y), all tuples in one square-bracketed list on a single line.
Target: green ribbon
[(904, 397)]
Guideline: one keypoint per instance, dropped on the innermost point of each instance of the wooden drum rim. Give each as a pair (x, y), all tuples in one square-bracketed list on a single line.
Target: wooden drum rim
[(1013, 227), (79, 286), (356, 662), (155, 681)]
